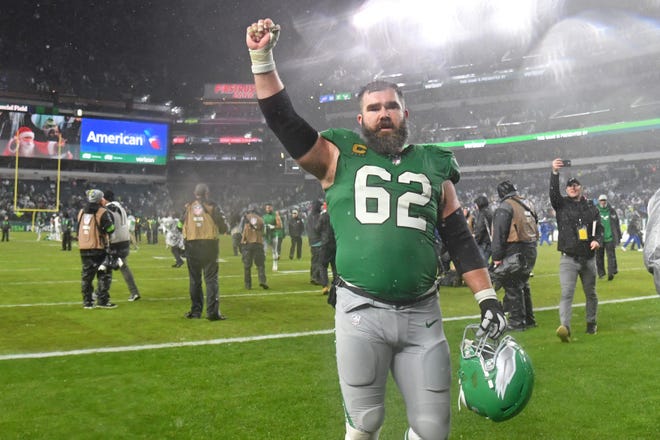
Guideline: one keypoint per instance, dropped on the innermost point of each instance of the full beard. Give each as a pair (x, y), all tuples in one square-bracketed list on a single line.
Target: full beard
[(388, 144)]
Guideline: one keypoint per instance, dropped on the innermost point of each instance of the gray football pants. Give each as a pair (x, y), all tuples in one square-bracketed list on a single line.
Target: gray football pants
[(373, 339)]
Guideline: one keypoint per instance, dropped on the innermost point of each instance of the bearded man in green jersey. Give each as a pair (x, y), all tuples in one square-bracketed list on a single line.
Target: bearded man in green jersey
[(385, 199)]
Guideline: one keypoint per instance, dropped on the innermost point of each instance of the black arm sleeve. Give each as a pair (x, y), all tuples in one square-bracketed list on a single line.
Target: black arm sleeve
[(297, 136), (460, 243)]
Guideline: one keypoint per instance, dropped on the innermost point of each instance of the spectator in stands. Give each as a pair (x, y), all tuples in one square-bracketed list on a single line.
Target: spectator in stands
[(252, 241), (202, 222), (482, 227), (95, 224), (120, 242), (580, 235), (611, 238), (515, 234), (296, 229)]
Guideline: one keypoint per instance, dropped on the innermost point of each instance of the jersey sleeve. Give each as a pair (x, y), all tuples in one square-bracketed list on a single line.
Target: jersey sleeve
[(344, 139)]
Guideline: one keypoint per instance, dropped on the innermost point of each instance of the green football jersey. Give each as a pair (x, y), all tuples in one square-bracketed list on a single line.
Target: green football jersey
[(384, 212)]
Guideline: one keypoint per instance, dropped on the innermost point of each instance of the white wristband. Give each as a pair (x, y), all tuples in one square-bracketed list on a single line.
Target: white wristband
[(485, 294), (262, 61)]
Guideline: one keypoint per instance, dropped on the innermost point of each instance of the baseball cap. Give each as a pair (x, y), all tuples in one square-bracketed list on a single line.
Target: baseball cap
[(94, 196), (602, 197), (572, 181)]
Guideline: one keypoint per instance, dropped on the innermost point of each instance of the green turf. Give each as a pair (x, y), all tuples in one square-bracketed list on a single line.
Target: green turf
[(281, 386)]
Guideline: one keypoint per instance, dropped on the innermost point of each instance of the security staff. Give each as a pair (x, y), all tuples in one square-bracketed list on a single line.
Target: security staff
[(95, 224), (515, 231), (202, 222)]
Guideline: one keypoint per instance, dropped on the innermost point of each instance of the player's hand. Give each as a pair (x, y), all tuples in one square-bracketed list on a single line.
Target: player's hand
[(262, 35), (493, 320)]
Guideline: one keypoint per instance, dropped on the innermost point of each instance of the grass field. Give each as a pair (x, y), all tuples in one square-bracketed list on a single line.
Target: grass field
[(142, 371)]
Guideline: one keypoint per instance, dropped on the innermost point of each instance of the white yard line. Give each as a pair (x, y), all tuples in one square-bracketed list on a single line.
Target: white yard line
[(50, 354)]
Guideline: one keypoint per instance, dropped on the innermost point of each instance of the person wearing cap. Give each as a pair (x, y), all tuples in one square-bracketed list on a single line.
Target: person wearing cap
[(611, 238), (202, 221), (120, 241), (95, 224), (515, 231), (296, 229), (580, 235)]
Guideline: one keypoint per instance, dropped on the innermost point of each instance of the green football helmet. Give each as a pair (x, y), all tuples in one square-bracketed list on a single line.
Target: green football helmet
[(495, 377)]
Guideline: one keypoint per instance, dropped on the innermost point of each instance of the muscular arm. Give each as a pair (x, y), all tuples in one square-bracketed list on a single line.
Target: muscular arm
[(321, 159), (476, 278)]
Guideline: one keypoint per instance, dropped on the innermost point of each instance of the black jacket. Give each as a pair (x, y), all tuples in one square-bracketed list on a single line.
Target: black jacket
[(573, 215), (482, 227)]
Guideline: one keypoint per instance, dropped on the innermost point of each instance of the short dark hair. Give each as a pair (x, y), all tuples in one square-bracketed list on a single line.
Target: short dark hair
[(108, 195), (378, 86)]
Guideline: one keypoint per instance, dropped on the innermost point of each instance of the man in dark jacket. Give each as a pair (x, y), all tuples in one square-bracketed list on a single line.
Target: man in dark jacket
[(328, 250), (94, 227), (296, 229), (515, 234), (580, 235), (314, 238), (611, 238), (482, 227)]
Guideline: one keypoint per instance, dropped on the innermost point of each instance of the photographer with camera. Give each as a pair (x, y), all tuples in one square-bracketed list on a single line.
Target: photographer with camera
[(120, 243), (202, 222), (252, 248), (515, 235), (95, 224)]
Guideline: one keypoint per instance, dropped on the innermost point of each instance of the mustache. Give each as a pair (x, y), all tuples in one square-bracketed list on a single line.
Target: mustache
[(385, 123)]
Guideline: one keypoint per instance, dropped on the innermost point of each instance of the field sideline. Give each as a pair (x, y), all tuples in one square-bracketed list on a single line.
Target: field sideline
[(143, 371)]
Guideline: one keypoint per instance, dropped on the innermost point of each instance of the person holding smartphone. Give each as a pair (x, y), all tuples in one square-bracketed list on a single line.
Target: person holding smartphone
[(580, 235)]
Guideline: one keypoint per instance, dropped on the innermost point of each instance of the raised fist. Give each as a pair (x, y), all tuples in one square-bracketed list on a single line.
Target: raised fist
[(262, 34)]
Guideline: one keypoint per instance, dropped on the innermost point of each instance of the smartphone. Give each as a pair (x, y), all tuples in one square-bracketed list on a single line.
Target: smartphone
[(567, 163)]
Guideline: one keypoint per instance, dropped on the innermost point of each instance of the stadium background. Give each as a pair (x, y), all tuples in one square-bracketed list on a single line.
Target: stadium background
[(524, 71), (487, 75)]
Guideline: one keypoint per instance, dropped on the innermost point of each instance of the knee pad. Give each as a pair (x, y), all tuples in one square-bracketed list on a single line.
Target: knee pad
[(354, 434)]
